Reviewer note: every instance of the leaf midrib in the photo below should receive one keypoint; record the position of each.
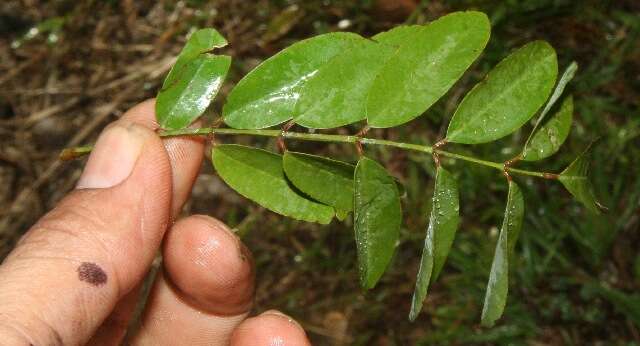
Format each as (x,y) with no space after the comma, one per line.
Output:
(191,80)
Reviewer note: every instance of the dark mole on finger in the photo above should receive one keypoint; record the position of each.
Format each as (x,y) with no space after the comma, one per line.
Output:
(92,273)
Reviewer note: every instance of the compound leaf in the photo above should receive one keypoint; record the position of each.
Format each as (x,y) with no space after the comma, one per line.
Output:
(575,179)
(443,223)
(258,175)
(508,97)
(337,94)
(267,95)
(323,179)
(377,219)
(547,139)
(426,62)
(193,81)
(497,288)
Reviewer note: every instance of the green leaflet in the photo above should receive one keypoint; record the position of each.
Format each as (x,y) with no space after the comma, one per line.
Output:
(267,95)
(184,100)
(193,82)
(566,77)
(508,97)
(575,179)
(258,175)
(377,219)
(200,42)
(428,60)
(530,155)
(496,295)
(443,223)
(340,78)
(323,179)
(337,94)
(548,138)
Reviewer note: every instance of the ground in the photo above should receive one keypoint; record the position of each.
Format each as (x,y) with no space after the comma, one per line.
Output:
(67,68)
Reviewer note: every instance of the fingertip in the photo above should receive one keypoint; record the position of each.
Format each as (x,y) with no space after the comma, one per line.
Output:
(270,328)
(206,287)
(185,152)
(143,113)
(208,266)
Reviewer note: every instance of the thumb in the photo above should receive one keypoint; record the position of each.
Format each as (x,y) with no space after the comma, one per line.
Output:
(69,271)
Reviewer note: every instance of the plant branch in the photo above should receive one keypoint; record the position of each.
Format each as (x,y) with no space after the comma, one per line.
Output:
(72,153)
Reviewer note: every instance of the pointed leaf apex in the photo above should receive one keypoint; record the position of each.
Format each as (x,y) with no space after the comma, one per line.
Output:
(575,179)
(443,223)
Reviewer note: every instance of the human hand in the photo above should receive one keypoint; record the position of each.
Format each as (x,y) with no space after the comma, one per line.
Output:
(75,276)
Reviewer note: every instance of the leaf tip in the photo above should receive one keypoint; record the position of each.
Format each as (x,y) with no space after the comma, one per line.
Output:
(413,315)
(487,322)
(416,307)
(575,178)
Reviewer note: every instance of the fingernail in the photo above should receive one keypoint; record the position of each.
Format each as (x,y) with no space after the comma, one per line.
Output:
(281,315)
(113,157)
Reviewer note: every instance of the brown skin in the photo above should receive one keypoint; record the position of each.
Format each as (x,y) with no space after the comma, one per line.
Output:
(74,277)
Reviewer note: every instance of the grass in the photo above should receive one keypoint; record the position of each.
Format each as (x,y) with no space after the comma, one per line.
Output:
(575,276)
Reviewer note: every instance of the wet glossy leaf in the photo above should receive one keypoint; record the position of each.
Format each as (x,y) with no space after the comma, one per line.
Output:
(575,179)
(508,97)
(427,61)
(184,100)
(548,138)
(258,175)
(443,223)
(323,179)
(567,76)
(497,288)
(200,42)
(193,81)
(377,219)
(337,94)
(267,95)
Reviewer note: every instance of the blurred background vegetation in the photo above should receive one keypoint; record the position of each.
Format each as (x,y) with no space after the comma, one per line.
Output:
(68,67)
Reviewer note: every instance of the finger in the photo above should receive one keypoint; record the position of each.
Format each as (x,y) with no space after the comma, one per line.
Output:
(206,289)
(114,328)
(185,153)
(185,156)
(270,328)
(69,271)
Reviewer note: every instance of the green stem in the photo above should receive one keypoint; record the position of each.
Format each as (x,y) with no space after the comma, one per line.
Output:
(317,137)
